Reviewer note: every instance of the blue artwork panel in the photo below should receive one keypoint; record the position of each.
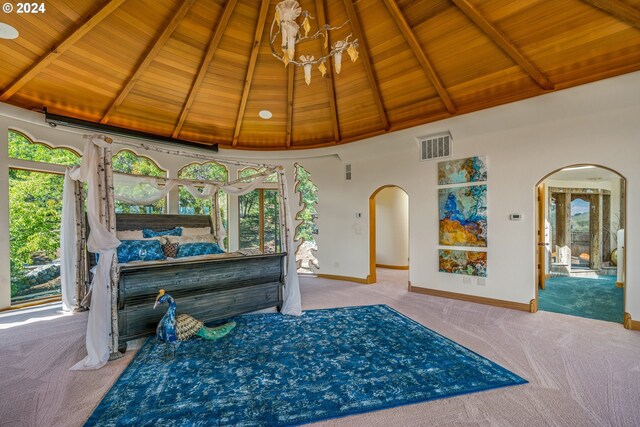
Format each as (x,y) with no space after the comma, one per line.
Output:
(463,216)
(472,169)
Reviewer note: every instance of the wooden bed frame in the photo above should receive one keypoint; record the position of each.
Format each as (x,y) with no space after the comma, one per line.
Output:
(207,289)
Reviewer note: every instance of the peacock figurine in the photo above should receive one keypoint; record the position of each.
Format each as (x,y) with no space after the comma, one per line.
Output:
(173,329)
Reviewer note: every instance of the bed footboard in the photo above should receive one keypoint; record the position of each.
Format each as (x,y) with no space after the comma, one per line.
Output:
(207,289)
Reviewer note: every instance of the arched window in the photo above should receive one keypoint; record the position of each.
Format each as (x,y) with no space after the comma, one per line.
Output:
(209,171)
(248,171)
(35,212)
(126,161)
(21,147)
(259,216)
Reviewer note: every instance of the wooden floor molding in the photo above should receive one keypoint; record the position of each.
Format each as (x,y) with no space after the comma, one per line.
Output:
(393,267)
(629,323)
(345,278)
(32,303)
(472,298)
(619,284)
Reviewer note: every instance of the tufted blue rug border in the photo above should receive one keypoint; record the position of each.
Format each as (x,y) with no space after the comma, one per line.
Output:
(280,370)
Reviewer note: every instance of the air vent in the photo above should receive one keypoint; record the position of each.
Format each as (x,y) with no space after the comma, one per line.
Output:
(435,146)
(347,172)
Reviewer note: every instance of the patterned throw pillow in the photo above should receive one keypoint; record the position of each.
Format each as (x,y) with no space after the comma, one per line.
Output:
(194,249)
(170,249)
(140,250)
(146,233)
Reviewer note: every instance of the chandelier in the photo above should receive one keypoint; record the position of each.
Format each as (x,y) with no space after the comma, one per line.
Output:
(284,23)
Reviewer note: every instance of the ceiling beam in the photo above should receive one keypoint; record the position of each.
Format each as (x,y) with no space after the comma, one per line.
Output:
(504,43)
(366,60)
(290,80)
(413,43)
(257,38)
(618,10)
(331,90)
(204,65)
(152,51)
(79,31)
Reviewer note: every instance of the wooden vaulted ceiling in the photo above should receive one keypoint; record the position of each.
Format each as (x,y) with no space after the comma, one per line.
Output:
(201,70)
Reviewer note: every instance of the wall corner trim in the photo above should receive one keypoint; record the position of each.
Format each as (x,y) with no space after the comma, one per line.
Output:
(344,278)
(472,298)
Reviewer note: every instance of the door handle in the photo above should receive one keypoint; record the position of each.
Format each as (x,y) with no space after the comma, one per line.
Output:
(542,244)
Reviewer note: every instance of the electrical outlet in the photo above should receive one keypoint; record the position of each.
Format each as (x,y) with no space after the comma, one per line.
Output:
(466,280)
(482,281)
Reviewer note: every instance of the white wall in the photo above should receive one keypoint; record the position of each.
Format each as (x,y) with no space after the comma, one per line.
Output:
(523,141)
(392,227)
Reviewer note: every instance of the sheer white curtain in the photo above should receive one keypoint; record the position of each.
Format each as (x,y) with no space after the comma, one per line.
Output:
(68,243)
(102,242)
(292,304)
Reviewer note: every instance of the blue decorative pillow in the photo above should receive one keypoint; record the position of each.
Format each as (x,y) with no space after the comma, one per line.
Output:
(140,250)
(147,233)
(201,248)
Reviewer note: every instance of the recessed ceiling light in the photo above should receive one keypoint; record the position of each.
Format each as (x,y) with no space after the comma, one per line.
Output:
(265,114)
(575,168)
(7,31)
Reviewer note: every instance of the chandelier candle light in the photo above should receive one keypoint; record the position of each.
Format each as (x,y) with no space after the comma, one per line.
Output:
(287,11)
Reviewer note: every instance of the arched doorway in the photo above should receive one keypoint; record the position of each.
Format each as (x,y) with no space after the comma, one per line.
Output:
(388,230)
(580,233)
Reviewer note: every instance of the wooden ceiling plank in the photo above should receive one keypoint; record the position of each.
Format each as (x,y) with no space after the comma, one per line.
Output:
(422,58)
(262,19)
(619,10)
(204,65)
(86,25)
(331,90)
(154,48)
(290,82)
(504,43)
(366,60)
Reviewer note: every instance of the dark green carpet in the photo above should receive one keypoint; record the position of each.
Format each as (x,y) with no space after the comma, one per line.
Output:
(593,298)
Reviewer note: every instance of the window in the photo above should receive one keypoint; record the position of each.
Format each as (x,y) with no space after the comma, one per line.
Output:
(130,163)
(210,171)
(307,229)
(259,213)
(21,147)
(35,213)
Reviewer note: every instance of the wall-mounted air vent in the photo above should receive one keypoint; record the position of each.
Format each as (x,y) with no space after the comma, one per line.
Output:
(435,146)
(347,172)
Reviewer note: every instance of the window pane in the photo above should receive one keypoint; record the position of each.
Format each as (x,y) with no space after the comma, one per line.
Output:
(250,220)
(272,242)
(252,171)
(307,229)
(35,211)
(209,171)
(128,162)
(21,147)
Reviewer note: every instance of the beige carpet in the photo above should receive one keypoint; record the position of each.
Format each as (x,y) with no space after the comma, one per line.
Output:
(582,372)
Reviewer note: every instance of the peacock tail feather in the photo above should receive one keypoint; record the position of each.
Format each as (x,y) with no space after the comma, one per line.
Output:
(217,332)
(187,326)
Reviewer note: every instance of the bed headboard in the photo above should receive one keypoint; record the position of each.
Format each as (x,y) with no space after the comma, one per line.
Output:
(126,222)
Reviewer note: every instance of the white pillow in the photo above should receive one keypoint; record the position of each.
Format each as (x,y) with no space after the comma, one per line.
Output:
(195,231)
(191,239)
(129,235)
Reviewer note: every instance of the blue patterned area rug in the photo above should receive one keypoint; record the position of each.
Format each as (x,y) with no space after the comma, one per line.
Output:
(277,370)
